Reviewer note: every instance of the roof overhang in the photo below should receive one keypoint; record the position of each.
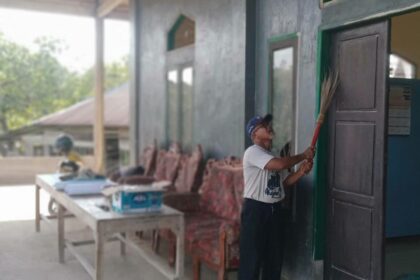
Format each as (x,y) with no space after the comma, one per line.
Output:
(105,8)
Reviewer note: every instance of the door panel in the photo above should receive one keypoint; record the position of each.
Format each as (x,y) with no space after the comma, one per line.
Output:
(357,143)
(356,134)
(355,90)
(355,221)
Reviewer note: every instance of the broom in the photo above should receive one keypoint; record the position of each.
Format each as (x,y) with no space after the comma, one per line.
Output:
(328,88)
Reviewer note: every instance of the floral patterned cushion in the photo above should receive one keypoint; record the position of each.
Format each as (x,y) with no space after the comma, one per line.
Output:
(198,226)
(209,250)
(238,188)
(172,161)
(190,172)
(217,193)
(148,159)
(160,166)
(167,166)
(219,213)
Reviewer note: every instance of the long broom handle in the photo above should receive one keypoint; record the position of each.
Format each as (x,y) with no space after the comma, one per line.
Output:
(316,134)
(319,122)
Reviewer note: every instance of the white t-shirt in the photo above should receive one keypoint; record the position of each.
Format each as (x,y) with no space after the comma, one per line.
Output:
(261,184)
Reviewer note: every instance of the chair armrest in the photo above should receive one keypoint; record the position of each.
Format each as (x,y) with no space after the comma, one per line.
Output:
(231,230)
(185,202)
(136,180)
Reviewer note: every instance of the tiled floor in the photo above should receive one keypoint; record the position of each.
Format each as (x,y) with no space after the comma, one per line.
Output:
(402,258)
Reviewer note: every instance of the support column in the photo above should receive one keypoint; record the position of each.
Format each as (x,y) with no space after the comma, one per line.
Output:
(250,63)
(99,132)
(37,209)
(135,67)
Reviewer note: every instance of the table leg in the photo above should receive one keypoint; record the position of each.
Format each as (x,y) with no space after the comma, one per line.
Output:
(122,244)
(99,252)
(179,265)
(37,209)
(60,223)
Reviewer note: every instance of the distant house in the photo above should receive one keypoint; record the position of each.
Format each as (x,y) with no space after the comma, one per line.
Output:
(37,139)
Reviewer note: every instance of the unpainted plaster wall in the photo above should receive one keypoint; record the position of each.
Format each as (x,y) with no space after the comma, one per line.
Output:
(220,63)
(219,71)
(276,19)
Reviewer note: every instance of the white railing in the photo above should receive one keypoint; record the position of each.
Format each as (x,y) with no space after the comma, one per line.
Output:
(22,170)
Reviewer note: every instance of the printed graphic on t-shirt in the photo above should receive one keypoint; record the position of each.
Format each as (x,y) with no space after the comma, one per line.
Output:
(273,188)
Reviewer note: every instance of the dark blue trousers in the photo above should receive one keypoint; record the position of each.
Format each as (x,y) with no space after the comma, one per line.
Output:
(261,241)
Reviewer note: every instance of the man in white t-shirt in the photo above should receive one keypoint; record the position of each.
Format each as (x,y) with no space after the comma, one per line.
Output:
(261,239)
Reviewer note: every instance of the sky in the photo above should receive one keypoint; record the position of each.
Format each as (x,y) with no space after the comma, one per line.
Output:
(77,34)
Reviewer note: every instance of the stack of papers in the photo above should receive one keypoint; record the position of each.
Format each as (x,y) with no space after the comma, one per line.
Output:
(85,186)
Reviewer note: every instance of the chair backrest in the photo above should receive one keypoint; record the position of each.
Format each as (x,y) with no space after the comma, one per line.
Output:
(167,165)
(175,147)
(190,171)
(238,185)
(148,159)
(218,190)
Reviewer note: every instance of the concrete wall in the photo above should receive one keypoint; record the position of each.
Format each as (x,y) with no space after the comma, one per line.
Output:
(219,71)
(340,12)
(275,19)
(220,64)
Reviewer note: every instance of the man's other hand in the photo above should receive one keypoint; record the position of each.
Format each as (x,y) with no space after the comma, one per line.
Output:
(309,153)
(305,167)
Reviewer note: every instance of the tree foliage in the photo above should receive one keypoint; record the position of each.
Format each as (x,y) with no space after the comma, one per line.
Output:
(34,84)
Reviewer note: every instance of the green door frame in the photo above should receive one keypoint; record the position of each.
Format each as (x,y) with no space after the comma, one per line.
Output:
(321,157)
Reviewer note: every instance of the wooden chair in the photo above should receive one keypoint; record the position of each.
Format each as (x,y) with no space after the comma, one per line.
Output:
(212,236)
(212,218)
(167,165)
(147,165)
(184,196)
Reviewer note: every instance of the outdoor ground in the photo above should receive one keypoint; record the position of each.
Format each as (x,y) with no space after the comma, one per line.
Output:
(27,255)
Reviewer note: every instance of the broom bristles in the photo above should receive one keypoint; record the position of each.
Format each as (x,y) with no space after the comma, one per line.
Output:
(328,88)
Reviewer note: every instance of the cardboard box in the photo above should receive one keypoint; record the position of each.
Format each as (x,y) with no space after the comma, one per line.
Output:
(137,198)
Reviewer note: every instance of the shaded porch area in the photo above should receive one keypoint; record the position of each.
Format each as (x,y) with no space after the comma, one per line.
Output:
(26,254)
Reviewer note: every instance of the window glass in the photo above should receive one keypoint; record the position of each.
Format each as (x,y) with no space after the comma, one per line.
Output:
(187,107)
(282,97)
(173,116)
(323,2)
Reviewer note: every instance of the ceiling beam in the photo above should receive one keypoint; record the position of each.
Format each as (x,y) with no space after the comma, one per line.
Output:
(107,6)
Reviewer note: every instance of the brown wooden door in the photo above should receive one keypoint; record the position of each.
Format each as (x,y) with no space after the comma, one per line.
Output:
(357,146)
